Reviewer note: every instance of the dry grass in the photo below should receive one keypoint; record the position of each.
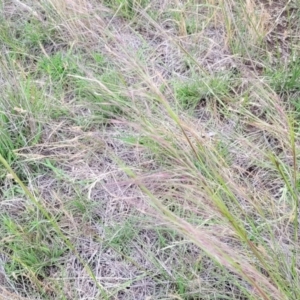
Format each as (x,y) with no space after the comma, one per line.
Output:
(149,149)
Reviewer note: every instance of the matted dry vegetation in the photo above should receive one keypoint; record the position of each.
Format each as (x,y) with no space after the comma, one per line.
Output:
(149,149)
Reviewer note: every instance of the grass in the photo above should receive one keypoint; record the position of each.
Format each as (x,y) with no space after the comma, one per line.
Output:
(149,150)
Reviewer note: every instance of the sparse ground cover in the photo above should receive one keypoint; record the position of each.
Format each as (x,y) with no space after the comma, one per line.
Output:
(149,149)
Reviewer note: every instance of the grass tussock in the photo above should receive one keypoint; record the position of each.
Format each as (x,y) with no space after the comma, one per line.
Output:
(149,150)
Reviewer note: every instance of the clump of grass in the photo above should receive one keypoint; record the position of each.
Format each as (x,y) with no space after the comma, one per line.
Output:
(284,79)
(127,8)
(30,252)
(192,93)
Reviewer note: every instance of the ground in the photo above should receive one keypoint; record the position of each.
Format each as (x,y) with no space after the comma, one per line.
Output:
(149,149)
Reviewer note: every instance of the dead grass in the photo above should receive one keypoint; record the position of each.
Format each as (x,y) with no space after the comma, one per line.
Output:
(159,152)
